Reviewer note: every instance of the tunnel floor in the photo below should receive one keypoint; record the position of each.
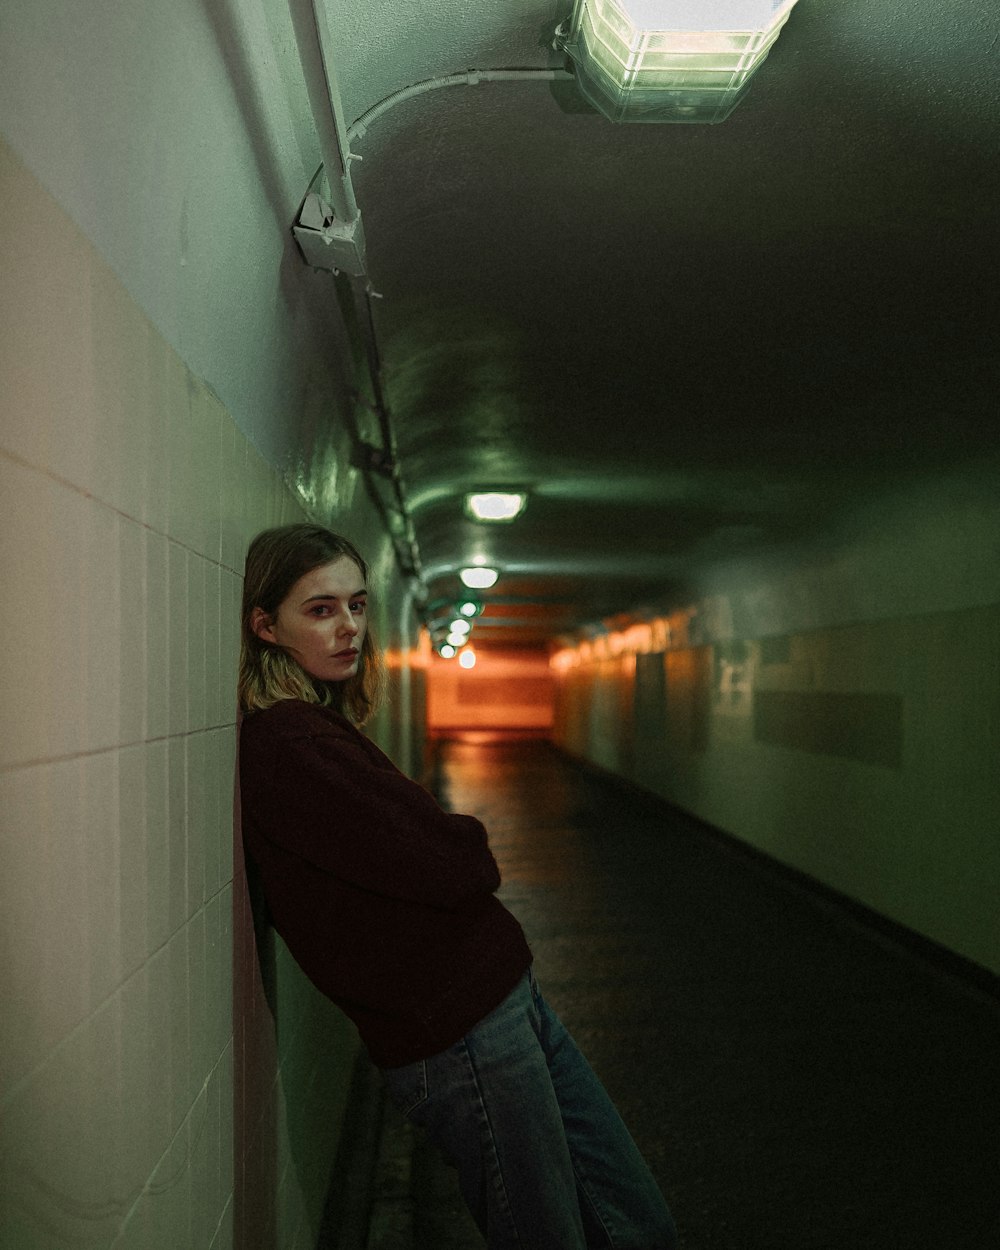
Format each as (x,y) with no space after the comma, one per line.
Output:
(797,1077)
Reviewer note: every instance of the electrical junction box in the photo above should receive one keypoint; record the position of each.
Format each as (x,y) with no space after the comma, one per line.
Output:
(327,243)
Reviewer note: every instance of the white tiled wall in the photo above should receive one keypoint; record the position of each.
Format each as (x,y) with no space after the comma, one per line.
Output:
(127,496)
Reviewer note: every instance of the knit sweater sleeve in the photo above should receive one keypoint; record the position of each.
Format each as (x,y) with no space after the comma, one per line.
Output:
(333,799)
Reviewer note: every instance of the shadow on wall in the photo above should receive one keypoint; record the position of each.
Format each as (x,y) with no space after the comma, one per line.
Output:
(255,1054)
(294,1057)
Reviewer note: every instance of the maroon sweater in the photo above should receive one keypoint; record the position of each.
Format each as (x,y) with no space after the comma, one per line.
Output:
(385,900)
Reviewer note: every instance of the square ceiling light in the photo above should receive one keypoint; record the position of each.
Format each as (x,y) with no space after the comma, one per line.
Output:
(670,60)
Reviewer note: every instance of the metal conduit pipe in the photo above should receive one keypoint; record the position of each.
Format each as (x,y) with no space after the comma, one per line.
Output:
(319,68)
(357,130)
(470,78)
(408,558)
(315,52)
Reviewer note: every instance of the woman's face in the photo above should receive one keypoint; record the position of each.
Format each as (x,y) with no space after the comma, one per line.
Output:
(321,622)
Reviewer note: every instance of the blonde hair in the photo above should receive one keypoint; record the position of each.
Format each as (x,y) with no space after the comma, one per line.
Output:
(277,558)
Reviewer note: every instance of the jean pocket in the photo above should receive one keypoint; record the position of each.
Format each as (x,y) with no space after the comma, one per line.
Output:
(407,1086)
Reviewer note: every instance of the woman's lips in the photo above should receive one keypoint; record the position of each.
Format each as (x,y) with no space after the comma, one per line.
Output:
(349,654)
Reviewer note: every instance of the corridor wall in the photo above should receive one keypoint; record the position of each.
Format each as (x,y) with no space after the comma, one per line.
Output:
(836,705)
(174,379)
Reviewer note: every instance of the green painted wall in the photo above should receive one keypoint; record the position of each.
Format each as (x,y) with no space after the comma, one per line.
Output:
(863,752)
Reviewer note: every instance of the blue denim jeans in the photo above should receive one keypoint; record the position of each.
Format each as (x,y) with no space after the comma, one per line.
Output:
(543,1158)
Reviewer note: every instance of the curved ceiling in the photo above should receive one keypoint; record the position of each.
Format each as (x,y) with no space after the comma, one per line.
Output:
(685,342)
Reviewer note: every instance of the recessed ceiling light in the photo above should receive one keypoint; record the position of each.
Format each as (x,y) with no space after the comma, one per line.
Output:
(467,659)
(495,505)
(479,578)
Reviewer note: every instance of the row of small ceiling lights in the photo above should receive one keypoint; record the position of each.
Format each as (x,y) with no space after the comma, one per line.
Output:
(489,507)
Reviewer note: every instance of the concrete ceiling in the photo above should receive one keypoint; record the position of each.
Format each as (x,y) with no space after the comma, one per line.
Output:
(687,343)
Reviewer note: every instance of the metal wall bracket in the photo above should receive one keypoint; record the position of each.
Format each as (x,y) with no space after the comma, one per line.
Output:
(327,243)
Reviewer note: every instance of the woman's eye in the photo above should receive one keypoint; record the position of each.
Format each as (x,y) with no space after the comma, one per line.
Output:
(358,605)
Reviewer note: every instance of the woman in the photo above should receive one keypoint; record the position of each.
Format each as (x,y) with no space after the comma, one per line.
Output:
(389,905)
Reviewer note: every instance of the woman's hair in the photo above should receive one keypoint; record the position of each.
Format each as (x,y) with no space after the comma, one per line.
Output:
(276,560)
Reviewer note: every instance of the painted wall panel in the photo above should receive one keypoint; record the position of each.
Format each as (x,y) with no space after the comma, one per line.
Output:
(867,726)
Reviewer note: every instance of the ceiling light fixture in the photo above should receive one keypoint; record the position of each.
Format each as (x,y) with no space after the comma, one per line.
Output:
(467,659)
(447,651)
(479,578)
(495,505)
(669,60)
(469,608)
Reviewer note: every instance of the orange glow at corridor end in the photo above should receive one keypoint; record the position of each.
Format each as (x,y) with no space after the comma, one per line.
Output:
(510,689)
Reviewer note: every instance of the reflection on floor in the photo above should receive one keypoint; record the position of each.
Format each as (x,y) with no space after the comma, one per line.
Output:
(797,1078)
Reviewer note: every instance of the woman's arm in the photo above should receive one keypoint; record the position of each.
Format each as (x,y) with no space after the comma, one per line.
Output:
(350,812)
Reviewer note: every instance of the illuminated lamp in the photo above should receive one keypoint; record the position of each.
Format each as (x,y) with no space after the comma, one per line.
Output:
(469,608)
(460,625)
(447,651)
(495,505)
(478,578)
(458,640)
(467,659)
(669,60)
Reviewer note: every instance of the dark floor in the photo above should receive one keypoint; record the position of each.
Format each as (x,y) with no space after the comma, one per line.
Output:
(797,1079)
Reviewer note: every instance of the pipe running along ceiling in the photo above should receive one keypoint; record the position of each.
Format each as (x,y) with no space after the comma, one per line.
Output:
(690,345)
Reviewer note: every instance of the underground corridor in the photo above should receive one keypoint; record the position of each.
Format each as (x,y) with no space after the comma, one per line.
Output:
(644,354)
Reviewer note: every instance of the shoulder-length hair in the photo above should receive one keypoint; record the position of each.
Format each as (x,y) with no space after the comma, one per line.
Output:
(277,558)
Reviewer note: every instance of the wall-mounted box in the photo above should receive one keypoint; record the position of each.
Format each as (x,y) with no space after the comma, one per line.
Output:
(327,243)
